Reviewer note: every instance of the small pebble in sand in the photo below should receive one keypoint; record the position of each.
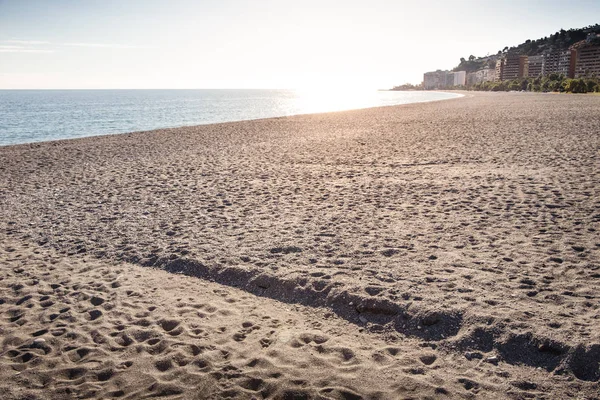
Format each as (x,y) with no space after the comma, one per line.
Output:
(492,360)
(470,355)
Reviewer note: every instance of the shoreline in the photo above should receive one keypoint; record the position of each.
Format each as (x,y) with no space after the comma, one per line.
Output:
(466,229)
(225,122)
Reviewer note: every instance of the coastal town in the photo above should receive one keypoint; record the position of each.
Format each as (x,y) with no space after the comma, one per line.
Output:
(580,60)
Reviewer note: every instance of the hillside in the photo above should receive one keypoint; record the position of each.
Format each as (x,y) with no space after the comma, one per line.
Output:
(560,40)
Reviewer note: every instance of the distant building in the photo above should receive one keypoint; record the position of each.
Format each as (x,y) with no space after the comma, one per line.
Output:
(499,69)
(449,79)
(459,78)
(580,60)
(490,75)
(558,62)
(443,79)
(482,75)
(535,66)
(435,80)
(472,79)
(586,55)
(514,66)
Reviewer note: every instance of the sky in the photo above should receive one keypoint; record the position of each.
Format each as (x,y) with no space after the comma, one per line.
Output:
(109,44)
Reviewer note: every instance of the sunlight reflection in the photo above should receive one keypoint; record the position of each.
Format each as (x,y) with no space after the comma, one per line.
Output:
(316,100)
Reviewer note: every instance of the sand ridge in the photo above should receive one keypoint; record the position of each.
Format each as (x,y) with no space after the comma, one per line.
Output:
(469,223)
(82,328)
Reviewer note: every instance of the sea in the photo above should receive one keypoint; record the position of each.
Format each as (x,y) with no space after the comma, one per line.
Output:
(28,116)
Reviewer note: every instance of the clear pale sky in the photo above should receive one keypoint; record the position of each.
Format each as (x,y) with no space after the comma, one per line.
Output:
(72,44)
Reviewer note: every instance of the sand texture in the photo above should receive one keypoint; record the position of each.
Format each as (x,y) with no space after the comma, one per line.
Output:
(435,250)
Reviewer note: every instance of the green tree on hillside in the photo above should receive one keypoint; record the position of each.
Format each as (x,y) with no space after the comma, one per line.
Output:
(549,83)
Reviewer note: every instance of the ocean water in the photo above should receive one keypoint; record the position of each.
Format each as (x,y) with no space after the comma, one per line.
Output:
(40,115)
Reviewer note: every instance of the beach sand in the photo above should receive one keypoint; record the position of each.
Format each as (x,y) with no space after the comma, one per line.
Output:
(435,250)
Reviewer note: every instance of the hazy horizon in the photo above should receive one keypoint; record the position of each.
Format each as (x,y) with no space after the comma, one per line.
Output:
(231,44)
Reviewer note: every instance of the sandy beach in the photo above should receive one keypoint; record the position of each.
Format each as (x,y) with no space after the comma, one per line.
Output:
(435,250)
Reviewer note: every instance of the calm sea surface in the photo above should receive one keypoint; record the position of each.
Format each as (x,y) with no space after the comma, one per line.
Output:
(39,115)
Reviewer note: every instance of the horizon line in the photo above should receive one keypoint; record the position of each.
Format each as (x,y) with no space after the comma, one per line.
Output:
(73,89)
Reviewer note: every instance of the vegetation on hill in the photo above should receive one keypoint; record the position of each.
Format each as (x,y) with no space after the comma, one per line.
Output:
(473,63)
(549,83)
(560,40)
